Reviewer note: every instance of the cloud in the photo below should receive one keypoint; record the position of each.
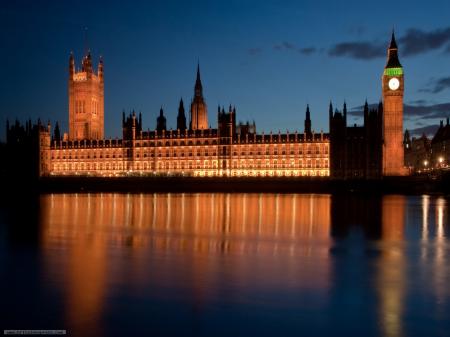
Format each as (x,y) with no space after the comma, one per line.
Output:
(358,111)
(429,130)
(417,41)
(423,111)
(437,85)
(288,46)
(414,42)
(255,51)
(362,50)
(412,111)
(418,102)
(307,51)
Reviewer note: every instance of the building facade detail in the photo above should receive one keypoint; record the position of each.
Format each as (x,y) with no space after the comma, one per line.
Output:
(86,100)
(231,149)
(393,88)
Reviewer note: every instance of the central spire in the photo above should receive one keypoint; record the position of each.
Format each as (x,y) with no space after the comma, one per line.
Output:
(199,113)
(198,83)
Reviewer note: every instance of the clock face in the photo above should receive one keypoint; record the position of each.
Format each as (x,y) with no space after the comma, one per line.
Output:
(394,83)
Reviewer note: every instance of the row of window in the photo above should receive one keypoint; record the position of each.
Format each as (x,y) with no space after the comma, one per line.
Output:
(191,165)
(175,153)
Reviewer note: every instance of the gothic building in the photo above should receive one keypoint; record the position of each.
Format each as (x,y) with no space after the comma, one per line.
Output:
(86,100)
(199,112)
(440,146)
(376,148)
(393,88)
(231,149)
(417,152)
(356,151)
(196,150)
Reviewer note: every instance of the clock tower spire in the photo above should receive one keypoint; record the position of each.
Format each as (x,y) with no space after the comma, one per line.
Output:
(393,88)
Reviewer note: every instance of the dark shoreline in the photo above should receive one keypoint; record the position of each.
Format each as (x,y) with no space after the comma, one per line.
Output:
(388,185)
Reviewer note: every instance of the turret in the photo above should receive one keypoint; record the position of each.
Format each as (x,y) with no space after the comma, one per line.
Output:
(308,132)
(161,121)
(330,111)
(100,69)
(198,111)
(407,139)
(86,65)
(71,66)
(198,89)
(366,112)
(181,118)
(86,100)
(56,133)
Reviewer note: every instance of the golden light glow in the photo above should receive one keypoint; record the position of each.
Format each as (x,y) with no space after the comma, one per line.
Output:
(197,227)
(172,155)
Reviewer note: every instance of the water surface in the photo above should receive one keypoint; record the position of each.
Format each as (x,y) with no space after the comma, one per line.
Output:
(226,264)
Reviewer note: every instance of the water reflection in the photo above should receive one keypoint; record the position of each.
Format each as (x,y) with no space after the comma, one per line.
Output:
(210,241)
(342,258)
(391,278)
(209,219)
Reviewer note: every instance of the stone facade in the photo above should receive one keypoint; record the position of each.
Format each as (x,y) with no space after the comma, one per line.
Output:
(393,88)
(417,153)
(356,151)
(440,146)
(86,100)
(210,152)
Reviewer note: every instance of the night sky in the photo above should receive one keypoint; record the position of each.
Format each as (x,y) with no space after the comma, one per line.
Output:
(269,59)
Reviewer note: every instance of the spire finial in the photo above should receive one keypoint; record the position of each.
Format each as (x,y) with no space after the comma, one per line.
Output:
(393,44)
(86,48)
(198,70)
(198,82)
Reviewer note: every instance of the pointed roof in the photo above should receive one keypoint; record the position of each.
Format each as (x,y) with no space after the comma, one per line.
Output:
(198,83)
(307,112)
(198,72)
(393,44)
(393,61)
(181,108)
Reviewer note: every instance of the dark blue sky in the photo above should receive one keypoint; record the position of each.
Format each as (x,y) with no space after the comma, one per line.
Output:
(268,58)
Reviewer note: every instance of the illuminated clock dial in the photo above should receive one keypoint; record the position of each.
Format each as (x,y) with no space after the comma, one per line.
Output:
(394,83)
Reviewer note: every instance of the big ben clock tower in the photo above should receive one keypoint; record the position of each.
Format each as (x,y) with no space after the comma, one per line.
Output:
(393,87)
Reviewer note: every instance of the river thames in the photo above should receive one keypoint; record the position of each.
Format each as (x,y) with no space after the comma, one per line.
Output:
(226,264)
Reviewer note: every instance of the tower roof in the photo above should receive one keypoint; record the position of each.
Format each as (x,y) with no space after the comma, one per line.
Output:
(393,44)
(198,83)
(198,73)
(393,61)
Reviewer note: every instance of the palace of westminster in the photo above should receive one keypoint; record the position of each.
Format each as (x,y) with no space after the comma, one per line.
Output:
(372,150)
